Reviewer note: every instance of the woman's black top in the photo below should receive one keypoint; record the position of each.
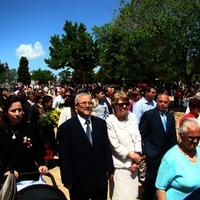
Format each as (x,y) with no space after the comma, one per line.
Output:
(24,153)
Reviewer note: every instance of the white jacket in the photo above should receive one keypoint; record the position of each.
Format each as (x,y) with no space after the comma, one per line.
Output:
(124,138)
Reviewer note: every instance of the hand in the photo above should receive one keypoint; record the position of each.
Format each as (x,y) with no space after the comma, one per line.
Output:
(143,158)
(135,157)
(133,167)
(68,186)
(43,170)
(16,174)
(110,176)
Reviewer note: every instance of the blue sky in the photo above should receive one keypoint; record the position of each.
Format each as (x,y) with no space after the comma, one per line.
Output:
(27,25)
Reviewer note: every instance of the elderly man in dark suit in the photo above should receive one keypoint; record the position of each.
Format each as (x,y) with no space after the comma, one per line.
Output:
(84,153)
(158,132)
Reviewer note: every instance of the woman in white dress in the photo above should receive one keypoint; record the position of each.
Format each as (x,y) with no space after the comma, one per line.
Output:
(125,142)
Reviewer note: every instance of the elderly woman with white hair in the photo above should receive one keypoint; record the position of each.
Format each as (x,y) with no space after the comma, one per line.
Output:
(178,174)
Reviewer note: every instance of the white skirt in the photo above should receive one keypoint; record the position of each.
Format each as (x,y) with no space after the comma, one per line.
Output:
(124,185)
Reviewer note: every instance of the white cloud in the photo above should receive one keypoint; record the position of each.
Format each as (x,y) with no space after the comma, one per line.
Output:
(29,51)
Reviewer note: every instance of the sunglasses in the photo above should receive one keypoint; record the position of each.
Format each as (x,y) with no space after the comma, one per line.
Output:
(123,104)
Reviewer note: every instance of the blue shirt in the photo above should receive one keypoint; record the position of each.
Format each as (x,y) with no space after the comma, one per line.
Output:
(177,175)
(141,106)
(100,109)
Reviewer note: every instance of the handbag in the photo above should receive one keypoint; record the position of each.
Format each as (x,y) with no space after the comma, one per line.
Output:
(8,189)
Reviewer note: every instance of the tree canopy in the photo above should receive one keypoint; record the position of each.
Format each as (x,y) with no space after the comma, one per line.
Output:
(23,71)
(152,39)
(12,75)
(2,72)
(75,50)
(43,76)
(64,77)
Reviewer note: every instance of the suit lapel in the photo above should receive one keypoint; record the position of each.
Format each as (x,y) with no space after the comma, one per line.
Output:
(158,118)
(80,131)
(95,129)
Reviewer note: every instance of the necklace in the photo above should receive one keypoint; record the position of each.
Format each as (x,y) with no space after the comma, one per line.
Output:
(14,133)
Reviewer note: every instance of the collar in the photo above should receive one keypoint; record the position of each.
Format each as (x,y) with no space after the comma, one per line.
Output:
(165,112)
(147,102)
(82,120)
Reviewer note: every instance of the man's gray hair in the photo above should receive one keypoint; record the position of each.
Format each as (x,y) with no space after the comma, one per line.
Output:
(187,123)
(80,95)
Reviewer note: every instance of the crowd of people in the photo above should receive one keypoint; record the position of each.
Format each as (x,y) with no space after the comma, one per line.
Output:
(103,133)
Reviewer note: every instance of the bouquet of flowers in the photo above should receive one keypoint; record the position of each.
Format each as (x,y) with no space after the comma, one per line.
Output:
(50,117)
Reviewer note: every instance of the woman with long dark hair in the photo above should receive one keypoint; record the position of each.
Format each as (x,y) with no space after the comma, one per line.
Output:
(21,148)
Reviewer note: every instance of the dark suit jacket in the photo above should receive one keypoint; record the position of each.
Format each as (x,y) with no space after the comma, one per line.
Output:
(82,164)
(155,141)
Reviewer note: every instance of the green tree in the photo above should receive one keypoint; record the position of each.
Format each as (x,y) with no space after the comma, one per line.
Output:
(12,75)
(23,71)
(157,39)
(2,67)
(110,57)
(75,50)
(43,76)
(77,76)
(119,56)
(65,77)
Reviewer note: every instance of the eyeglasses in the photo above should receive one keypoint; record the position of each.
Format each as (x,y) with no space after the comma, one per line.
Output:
(84,104)
(123,104)
(191,138)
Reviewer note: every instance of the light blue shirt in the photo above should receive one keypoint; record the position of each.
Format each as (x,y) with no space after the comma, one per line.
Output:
(177,175)
(141,106)
(100,109)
